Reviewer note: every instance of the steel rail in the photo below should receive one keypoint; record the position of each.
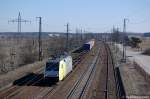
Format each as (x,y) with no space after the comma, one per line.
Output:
(74,88)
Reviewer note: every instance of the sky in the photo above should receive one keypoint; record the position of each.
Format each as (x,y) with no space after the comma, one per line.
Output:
(88,15)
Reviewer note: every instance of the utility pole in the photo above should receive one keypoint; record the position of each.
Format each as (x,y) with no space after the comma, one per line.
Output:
(67,39)
(77,34)
(19,20)
(81,35)
(39,39)
(124,42)
(106,87)
(105,37)
(112,31)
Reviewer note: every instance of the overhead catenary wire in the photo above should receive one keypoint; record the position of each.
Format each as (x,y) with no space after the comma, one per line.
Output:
(140,22)
(131,15)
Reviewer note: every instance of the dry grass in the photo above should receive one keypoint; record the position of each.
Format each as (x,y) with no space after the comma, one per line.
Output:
(18,51)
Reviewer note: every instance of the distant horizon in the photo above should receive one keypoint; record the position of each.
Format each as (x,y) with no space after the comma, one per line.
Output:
(79,33)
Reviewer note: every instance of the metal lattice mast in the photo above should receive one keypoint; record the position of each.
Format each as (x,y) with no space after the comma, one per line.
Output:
(19,20)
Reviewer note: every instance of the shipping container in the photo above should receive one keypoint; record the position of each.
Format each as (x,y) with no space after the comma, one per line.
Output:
(89,45)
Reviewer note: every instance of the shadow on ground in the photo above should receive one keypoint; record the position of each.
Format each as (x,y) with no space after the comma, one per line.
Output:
(35,80)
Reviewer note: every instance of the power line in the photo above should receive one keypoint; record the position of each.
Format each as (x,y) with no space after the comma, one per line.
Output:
(143,21)
(19,20)
(137,11)
(129,16)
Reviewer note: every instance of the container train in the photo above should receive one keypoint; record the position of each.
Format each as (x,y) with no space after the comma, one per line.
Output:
(60,67)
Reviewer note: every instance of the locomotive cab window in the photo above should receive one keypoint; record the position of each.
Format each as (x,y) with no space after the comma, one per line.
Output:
(52,66)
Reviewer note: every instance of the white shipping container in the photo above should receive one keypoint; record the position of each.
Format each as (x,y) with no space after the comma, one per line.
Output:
(91,43)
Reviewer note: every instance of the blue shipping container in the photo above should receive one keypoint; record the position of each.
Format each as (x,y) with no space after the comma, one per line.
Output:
(86,47)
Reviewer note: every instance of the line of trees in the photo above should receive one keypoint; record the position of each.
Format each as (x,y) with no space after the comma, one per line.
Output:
(120,37)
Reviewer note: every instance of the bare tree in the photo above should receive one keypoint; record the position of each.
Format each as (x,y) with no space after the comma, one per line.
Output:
(3,56)
(28,53)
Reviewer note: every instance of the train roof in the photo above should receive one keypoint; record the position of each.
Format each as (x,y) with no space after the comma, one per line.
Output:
(53,60)
(57,59)
(92,40)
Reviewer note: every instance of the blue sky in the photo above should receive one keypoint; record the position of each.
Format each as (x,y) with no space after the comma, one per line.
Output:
(90,15)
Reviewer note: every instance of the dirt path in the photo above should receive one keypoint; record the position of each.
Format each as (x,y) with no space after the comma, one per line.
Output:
(134,81)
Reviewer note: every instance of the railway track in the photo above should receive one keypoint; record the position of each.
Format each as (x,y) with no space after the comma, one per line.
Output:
(78,89)
(103,86)
(31,80)
(119,87)
(106,88)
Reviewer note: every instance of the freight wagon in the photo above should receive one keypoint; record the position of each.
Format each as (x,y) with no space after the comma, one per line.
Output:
(58,68)
(89,45)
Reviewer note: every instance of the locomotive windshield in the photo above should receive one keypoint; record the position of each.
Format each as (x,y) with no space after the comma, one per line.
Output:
(52,66)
